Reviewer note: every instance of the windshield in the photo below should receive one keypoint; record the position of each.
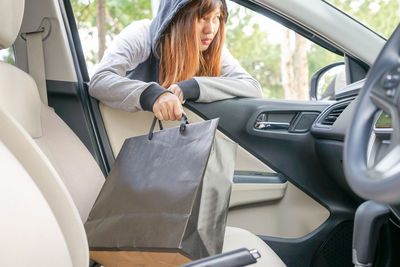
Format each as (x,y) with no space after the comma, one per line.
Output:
(382,16)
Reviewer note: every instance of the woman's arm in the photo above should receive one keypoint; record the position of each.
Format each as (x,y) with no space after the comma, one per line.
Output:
(233,82)
(109,84)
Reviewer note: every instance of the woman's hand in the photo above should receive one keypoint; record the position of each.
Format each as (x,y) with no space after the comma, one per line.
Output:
(168,107)
(176,90)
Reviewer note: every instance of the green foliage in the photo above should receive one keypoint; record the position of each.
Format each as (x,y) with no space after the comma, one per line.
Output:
(120,13)
(9,57)
(245,38)
(262,58)
(125,11)
(319,57)
(85,13)
(380,15)
(254,52)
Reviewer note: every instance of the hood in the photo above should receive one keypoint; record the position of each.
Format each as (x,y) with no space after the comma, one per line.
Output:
(166,13)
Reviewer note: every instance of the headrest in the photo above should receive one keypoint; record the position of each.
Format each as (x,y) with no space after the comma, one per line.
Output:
(20,97)
(11,13)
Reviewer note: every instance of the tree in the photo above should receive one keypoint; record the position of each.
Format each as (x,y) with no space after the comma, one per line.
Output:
(294,67)
(380,15)
(249,44)
(248,41)
(113,16)
(300,68)
(101,27)
(287,65)
(282,73)
(9,56)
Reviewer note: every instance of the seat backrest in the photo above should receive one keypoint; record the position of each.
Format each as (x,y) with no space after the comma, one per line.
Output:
(20,97)
(65,179)
(22,200)
(41,225)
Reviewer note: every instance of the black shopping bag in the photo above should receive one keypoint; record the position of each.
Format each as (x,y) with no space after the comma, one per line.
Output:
(165,200)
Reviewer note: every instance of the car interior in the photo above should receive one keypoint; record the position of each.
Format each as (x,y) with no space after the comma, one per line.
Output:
(315,181)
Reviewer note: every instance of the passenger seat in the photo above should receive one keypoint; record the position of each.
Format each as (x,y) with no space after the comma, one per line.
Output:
(62,171)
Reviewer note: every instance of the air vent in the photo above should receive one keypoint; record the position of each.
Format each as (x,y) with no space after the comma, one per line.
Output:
(333,115)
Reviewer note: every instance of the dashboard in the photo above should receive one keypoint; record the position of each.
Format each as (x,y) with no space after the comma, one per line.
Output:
(329,130)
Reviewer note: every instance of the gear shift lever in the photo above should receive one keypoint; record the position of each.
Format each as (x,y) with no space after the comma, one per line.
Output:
(367,224)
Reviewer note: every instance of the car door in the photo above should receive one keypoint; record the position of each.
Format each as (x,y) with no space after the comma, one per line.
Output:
(281,190)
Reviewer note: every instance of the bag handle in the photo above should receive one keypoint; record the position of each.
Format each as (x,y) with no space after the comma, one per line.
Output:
(184,121)
(182,127)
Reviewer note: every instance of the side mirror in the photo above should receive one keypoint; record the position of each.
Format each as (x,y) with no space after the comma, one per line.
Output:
(326,81)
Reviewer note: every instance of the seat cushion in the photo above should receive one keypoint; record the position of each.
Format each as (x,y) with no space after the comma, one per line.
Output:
(236,238)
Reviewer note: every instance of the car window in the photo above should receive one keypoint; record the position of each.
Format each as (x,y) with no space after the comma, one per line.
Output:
(281,60)
(7,55)
(117,15)
(382,16)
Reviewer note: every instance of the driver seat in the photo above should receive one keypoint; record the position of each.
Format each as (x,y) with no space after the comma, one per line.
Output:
(66,178)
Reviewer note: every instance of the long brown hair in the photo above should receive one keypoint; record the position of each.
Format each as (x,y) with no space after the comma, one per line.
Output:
(179,49)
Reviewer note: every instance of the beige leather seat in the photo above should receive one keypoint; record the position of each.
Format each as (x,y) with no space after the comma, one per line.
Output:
(52,180)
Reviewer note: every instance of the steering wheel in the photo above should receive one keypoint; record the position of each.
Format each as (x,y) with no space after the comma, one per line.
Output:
(380,182)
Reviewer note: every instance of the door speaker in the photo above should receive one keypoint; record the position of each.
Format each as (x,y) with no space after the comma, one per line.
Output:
(336,249)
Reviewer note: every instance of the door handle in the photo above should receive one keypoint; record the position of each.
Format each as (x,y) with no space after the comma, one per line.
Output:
(267,125)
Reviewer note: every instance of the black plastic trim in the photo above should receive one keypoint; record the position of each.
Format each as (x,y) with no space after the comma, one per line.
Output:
(302,251)
(92,112)
(73,36)
(350,91)
(356,70)
(333,132)
(368,221)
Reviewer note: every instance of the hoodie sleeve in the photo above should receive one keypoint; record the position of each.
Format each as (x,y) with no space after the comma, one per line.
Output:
(109,84)
(233,82)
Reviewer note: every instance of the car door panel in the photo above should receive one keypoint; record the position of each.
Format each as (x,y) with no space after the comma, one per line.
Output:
(292,154)
(295,215)
(252,193)
(271,197)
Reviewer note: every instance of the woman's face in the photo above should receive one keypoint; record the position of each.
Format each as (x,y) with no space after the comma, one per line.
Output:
(208,27)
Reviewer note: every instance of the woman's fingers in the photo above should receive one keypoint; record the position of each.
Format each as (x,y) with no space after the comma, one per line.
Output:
(178,111)
(176,90)
(168,107)
(159,116)
(164,113)
(170,110)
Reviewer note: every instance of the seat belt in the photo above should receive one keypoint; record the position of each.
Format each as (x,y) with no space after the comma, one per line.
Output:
(36,68)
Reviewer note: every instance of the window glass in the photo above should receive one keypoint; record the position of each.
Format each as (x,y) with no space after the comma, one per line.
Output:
(382,16)
(7,55)
(278,58)
(117,15)
(281,60)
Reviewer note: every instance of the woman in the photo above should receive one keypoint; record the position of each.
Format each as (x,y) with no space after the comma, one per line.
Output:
(157,65)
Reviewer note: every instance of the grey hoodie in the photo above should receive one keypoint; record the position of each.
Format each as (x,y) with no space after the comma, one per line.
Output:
(127,76)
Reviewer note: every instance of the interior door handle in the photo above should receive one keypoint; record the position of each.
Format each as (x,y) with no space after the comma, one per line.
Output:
(267,125)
